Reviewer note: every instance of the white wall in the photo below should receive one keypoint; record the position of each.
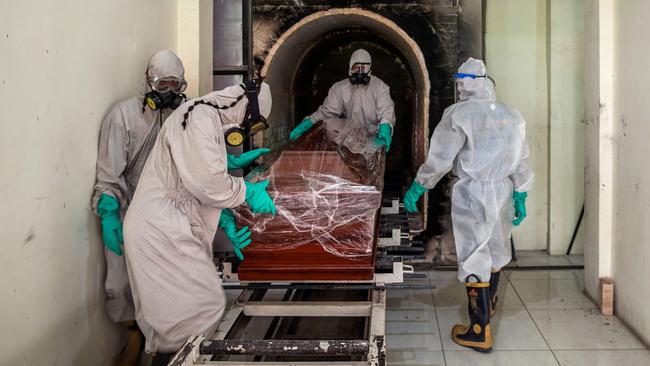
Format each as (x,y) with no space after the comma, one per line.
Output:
(63,63)
(194,42)
(516,57)
(566,117)
(631,124)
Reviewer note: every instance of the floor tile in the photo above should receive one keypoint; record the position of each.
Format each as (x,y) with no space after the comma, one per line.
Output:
(415,358)
(500,358)
(604,358)
(541,260)
(409,299)
(443,276)
(583,329)
(559,274)
(511,329)
(400,315)
(452,295)
(553,294)
(413,335)
(577,259)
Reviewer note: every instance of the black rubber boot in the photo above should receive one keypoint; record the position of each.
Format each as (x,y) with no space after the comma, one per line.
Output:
(477,335)
(494,286)
(130,355)
(162,359)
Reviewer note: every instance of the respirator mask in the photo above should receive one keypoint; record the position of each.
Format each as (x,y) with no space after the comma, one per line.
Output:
(166,92)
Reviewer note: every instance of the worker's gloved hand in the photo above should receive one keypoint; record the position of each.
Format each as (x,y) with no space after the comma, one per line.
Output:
(109,210)
(258,199)
(412,196)
(384,135)
(245,159)
(520,207)
(303,127)
(239,239)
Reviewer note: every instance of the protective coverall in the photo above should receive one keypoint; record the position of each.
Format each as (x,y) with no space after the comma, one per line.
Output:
(484,141)
(369,105)
(127,135)
(173,218)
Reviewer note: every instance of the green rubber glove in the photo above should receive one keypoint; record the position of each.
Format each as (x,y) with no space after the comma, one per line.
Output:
(412,196)
(239,239)
(520,207)
(109,210)
(245,159)
(303,127)
(384,135)
(258,198)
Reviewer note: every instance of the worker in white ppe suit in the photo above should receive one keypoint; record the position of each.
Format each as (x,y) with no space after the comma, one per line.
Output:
(127,135)
(362,98)
(484,142)
(172,220)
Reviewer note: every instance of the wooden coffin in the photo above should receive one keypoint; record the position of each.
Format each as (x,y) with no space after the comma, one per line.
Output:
(325,227)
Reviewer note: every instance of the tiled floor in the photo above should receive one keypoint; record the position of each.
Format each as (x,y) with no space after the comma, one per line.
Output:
(544,319)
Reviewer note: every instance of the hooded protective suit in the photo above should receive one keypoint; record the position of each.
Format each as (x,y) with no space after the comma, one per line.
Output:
(368,105)
(126,138)
(485,143)
(171,222)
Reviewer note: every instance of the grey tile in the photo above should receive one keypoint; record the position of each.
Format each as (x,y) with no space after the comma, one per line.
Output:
(558,274)
(500,358)
(452,295)
(443,276)
(577,259)
(583,329)
(415,358)
(553,294)
(400,315)
(413,335)
(539,260)
(604,358)
(409,299)
(511,329)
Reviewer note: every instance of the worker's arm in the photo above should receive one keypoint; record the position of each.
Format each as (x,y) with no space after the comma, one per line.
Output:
(445,143)
(332,107)
(111,159)
(523,176)
(199,153)
(385,105)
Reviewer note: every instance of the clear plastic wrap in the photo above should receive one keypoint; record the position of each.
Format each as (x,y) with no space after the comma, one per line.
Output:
(327,190)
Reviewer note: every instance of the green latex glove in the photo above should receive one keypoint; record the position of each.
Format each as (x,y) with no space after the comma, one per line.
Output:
(412,196)
(239,239)
(384,135)
(109,210)
(258,198)
(520,207)
(245,159)
(303,127)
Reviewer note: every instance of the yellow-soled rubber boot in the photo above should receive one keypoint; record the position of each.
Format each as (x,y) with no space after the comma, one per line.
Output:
(130,355)
(494,285)
(477,335)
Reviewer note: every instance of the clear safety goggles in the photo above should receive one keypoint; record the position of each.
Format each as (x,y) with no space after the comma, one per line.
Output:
(361,67)
(460,75)
(168,83)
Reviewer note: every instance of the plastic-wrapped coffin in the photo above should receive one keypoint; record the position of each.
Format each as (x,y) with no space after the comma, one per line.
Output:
(327,190)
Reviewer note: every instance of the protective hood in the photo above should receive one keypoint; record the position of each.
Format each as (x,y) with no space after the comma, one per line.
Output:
(359,56)
(235,114)
(161,64)
(480,88)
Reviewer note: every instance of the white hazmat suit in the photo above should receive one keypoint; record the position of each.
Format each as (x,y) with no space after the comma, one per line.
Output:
(170,225)
(484,141)
(369,105)
(127,135)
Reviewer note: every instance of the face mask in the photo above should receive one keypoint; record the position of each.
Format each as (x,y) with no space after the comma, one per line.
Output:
(157,100)
(359,78)
(236,134)
(253,121)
